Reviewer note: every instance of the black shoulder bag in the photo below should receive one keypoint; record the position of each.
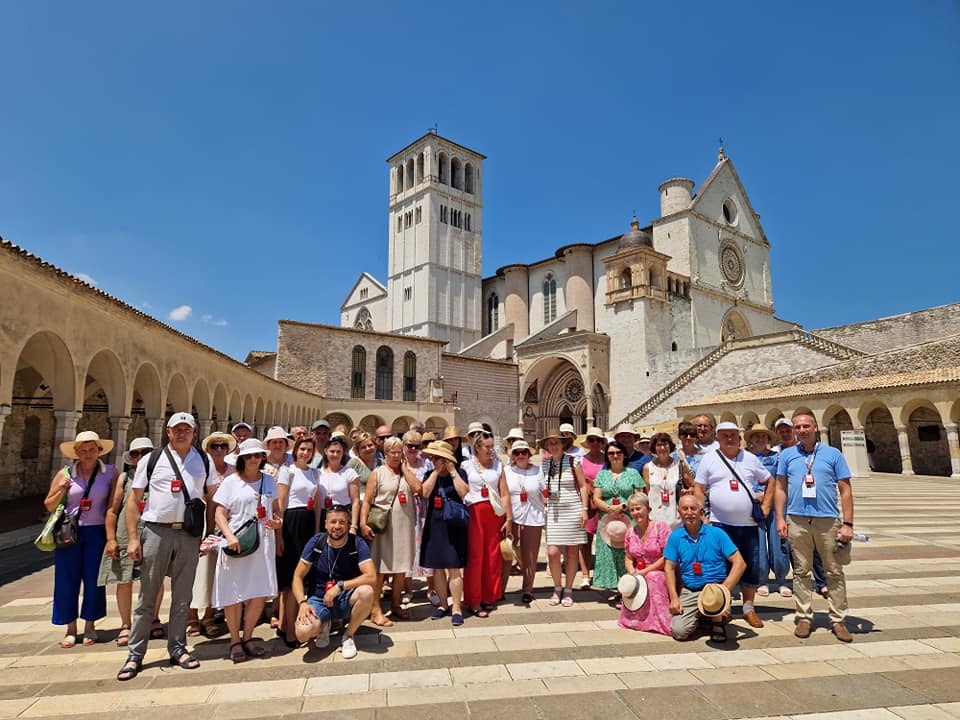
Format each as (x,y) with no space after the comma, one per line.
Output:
(756,511)
(194,509)
(66,532)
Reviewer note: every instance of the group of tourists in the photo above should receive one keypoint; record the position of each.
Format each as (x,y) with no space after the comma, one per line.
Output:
(310,530)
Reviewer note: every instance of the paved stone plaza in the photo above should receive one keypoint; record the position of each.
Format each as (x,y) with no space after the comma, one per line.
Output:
(547,662)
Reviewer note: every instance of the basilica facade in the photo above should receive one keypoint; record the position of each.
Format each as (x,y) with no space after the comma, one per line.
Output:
(598,327)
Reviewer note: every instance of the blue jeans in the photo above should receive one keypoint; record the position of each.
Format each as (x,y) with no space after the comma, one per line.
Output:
(745,538)
(772,556)
(341,607)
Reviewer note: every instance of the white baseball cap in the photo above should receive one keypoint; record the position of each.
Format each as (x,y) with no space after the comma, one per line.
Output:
(728,426)
(181,417)
(783,421)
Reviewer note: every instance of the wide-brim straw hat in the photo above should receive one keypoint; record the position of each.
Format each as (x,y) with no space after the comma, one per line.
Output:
(451,432)
(507,552)
(225,437)
(551,434)
(592,432)
(613,530)
(759,428)
(69,448)
(520,445)
(714,600)
(633,591)
(278,433)
(440,449)
(140,443)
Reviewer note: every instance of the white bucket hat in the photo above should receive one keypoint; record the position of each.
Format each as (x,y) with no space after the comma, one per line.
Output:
(140,443)
(251,447)
(633,591)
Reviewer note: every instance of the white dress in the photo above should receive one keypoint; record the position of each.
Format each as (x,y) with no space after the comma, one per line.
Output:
(663,493)
(239,579)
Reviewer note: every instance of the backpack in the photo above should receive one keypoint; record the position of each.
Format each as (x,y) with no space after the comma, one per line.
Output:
(155,456)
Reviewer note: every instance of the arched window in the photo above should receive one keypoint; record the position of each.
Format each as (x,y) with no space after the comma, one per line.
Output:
(442,169)
(549,299)
(364,320)
(384,390)
(468,179)
(358,377)
(493,313)
(673,346)
(469,224)
(409,174)
(409,375)
(456,174)
(400,179)
(626,279)
(419,168)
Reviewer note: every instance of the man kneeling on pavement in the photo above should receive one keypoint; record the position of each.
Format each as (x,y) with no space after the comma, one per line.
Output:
(704,553)
(344,575)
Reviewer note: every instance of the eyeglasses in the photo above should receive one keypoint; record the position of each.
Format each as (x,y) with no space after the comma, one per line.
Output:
(411,446)
(218,446)
(140,453)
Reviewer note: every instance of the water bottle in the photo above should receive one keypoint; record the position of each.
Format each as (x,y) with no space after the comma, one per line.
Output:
(861,537)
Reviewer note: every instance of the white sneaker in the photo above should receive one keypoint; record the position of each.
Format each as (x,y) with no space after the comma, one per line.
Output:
(323,639)
(348,648)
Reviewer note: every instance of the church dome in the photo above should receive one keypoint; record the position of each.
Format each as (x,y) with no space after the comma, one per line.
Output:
(635,238)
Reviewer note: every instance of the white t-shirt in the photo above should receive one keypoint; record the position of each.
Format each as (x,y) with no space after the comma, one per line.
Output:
(490,477)
(527,511)
(336,485)
(710,447)
(303,485)
(727,506)
(240,498)
(164,506)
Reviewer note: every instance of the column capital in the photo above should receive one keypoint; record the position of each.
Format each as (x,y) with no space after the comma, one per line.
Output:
(74,415)
(5,410)
(120,422)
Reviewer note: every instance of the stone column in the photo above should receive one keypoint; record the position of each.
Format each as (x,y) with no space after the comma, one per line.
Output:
(120,424)
(905,451)
(155,430)
(65,430)
(953,441)
(4,411)
(204,428)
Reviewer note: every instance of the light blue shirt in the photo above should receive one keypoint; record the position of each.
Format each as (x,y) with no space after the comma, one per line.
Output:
(827,465)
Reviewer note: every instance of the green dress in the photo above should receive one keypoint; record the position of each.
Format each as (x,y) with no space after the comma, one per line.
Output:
(609,566)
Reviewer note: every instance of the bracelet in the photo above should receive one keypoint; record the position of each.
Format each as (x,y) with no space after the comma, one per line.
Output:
(301,602)
(848,524)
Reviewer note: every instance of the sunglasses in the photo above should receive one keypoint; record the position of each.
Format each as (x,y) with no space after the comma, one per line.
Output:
(257,456)
(688,434)
(522,452)
(594,439)
(140,453)
(411,446)
(383,437)
(485,435)
(218,446)
(615,453)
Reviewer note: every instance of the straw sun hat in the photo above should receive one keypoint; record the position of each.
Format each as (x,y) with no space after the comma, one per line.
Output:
(69,448)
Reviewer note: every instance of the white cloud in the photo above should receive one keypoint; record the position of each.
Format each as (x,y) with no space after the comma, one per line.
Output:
(220,323)
(83,277)
(180,313)
(207,318)
(146,306)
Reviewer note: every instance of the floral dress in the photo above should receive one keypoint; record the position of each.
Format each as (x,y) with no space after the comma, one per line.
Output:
(609,563)
(654,614)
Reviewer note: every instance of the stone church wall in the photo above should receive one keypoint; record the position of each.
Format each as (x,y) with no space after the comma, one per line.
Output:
(897,331)
(482,390)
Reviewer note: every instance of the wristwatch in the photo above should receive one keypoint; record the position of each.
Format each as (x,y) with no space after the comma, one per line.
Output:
(340,585)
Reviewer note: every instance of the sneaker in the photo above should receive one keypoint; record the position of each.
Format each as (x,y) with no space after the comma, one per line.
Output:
(348,648)
(456,620)
(406,598)
(438,613)
(433,598)
(323,639)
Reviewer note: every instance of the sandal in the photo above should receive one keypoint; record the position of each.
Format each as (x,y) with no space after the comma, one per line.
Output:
(763,591)
(567,598)
(526,598)
(479,612)
(718,632)
(156,630)
(212,629)
(400,613)
(131,668)
(90,638)
(555,598)
(123,637)
(184,659)
(785,591)
(68,641)
(254,651)
(193,628)
(489,607)
(238,656)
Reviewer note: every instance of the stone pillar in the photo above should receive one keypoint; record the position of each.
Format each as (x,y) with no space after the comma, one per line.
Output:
(516,308)
(204,428)
(905,451)
(65,430)
(4,411)
(155,430)
(953,441)
(120,425)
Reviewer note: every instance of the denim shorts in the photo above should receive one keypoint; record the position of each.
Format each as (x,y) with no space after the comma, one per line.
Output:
(340,609)
(747,541)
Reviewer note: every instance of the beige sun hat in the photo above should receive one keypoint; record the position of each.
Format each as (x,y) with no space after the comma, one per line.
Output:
(451,432)
(69,448)
(633,591)
(592,432)
(759,428)
(222,436)
(475,427)
(613,531)
(551,434)
(714,600)
(440,449)
(520,445)
(515,434)
(624,428)
(507,551)
(278,433)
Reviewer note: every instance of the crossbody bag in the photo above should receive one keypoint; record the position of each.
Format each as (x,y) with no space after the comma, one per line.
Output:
(756,510)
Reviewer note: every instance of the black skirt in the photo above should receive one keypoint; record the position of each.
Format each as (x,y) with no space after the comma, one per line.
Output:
(298,527)
(442,546)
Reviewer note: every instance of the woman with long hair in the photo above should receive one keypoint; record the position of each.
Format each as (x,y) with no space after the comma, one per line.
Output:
(339,483)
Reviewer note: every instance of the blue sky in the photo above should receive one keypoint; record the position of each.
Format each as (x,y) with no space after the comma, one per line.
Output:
(229,157)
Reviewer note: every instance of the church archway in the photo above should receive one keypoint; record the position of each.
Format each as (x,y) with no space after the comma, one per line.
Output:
(929,451)
(734,326)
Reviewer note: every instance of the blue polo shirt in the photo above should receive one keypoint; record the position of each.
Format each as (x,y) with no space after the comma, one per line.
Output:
(637,461)
(711,549)
(827,465)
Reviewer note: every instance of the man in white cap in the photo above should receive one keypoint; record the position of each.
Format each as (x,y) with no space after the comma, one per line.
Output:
(626,436)
(321,436)
(784,430)
(570,441)
(179,473)
(241,431)
(729,475)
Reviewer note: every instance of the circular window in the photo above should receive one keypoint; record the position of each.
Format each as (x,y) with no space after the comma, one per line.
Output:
(730,211)
(731,264)
(574,390)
